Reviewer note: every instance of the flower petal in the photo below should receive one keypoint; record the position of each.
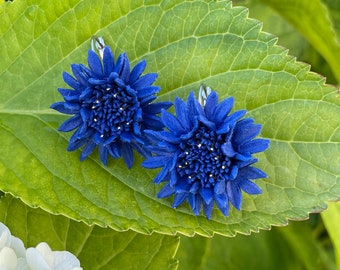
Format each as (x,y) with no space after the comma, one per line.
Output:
(234,194)
(182,114)
(145,80)
(210,105)
(108,61)
(179,199)
(223,109)
(127,154)
(95,63)
(137,72)
(71,123)
(171,122)
(88,149)
(156,162)
(166,191)
(245,130)
(208,209)
(255,146)
(207,195)
(72,81)
(250,187)
(195,202)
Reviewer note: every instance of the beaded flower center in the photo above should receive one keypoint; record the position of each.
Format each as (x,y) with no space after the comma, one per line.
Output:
(202,158)
(113,109)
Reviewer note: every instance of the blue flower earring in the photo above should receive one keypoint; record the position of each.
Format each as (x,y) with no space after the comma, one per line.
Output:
(111,105)
(206,154)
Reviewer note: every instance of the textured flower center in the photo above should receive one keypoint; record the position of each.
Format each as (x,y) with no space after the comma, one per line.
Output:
(202,158)
(113,108)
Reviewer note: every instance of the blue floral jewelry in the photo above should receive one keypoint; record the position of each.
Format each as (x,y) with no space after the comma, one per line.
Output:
(111,105)
(206,154)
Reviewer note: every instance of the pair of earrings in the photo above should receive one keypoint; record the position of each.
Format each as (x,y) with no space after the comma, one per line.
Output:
(205,153)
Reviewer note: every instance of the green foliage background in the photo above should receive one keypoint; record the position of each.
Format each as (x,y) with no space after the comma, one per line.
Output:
(108,215)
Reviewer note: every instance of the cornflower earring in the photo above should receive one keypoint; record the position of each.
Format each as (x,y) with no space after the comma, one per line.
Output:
(111,105)
(206,155)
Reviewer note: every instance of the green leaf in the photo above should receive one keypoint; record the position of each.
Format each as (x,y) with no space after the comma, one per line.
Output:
(289,37)
(312,19)
(331,218)
(291,247)
(187,43)
(333,7)
(95,247)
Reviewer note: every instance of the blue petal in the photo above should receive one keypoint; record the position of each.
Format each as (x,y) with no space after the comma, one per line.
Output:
(219,188)
(103,153)
(234,194)
(86,94)
(228,150)
(123,67)
(179,199)
(166,191)
(207,195)
(151,122)
(251,173)
(182,113)
(144,101)
(210,105)
(71,81)
(156,162)
(88,149)
(222,203)
(95,63)
(162,136)
(157,107)
(75,144)
(163,174)
(195,202)
(147,91)
(144,81)
(249,187)
(223,109)
(173,178)
(171,122)
(233,172)
(208,209)
(126,137)
(137,71)
(114,150)
(127,154)
(85,114)
(108,61)
(230,122)
(255,146)
(95,81)
(69,95)
(61,107)
(141,149)
(70,124)
(191,105)
(245,130)
(78,72)
(203,118)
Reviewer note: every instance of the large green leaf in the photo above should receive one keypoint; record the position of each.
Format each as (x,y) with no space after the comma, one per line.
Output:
(289,37)
(186,42)
(292,247)
(312,19)
(95,247)
(331,218)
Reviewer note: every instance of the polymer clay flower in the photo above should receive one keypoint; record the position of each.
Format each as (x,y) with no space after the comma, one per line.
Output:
(42,257)
(111,106)
(13,255)
(206,155)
